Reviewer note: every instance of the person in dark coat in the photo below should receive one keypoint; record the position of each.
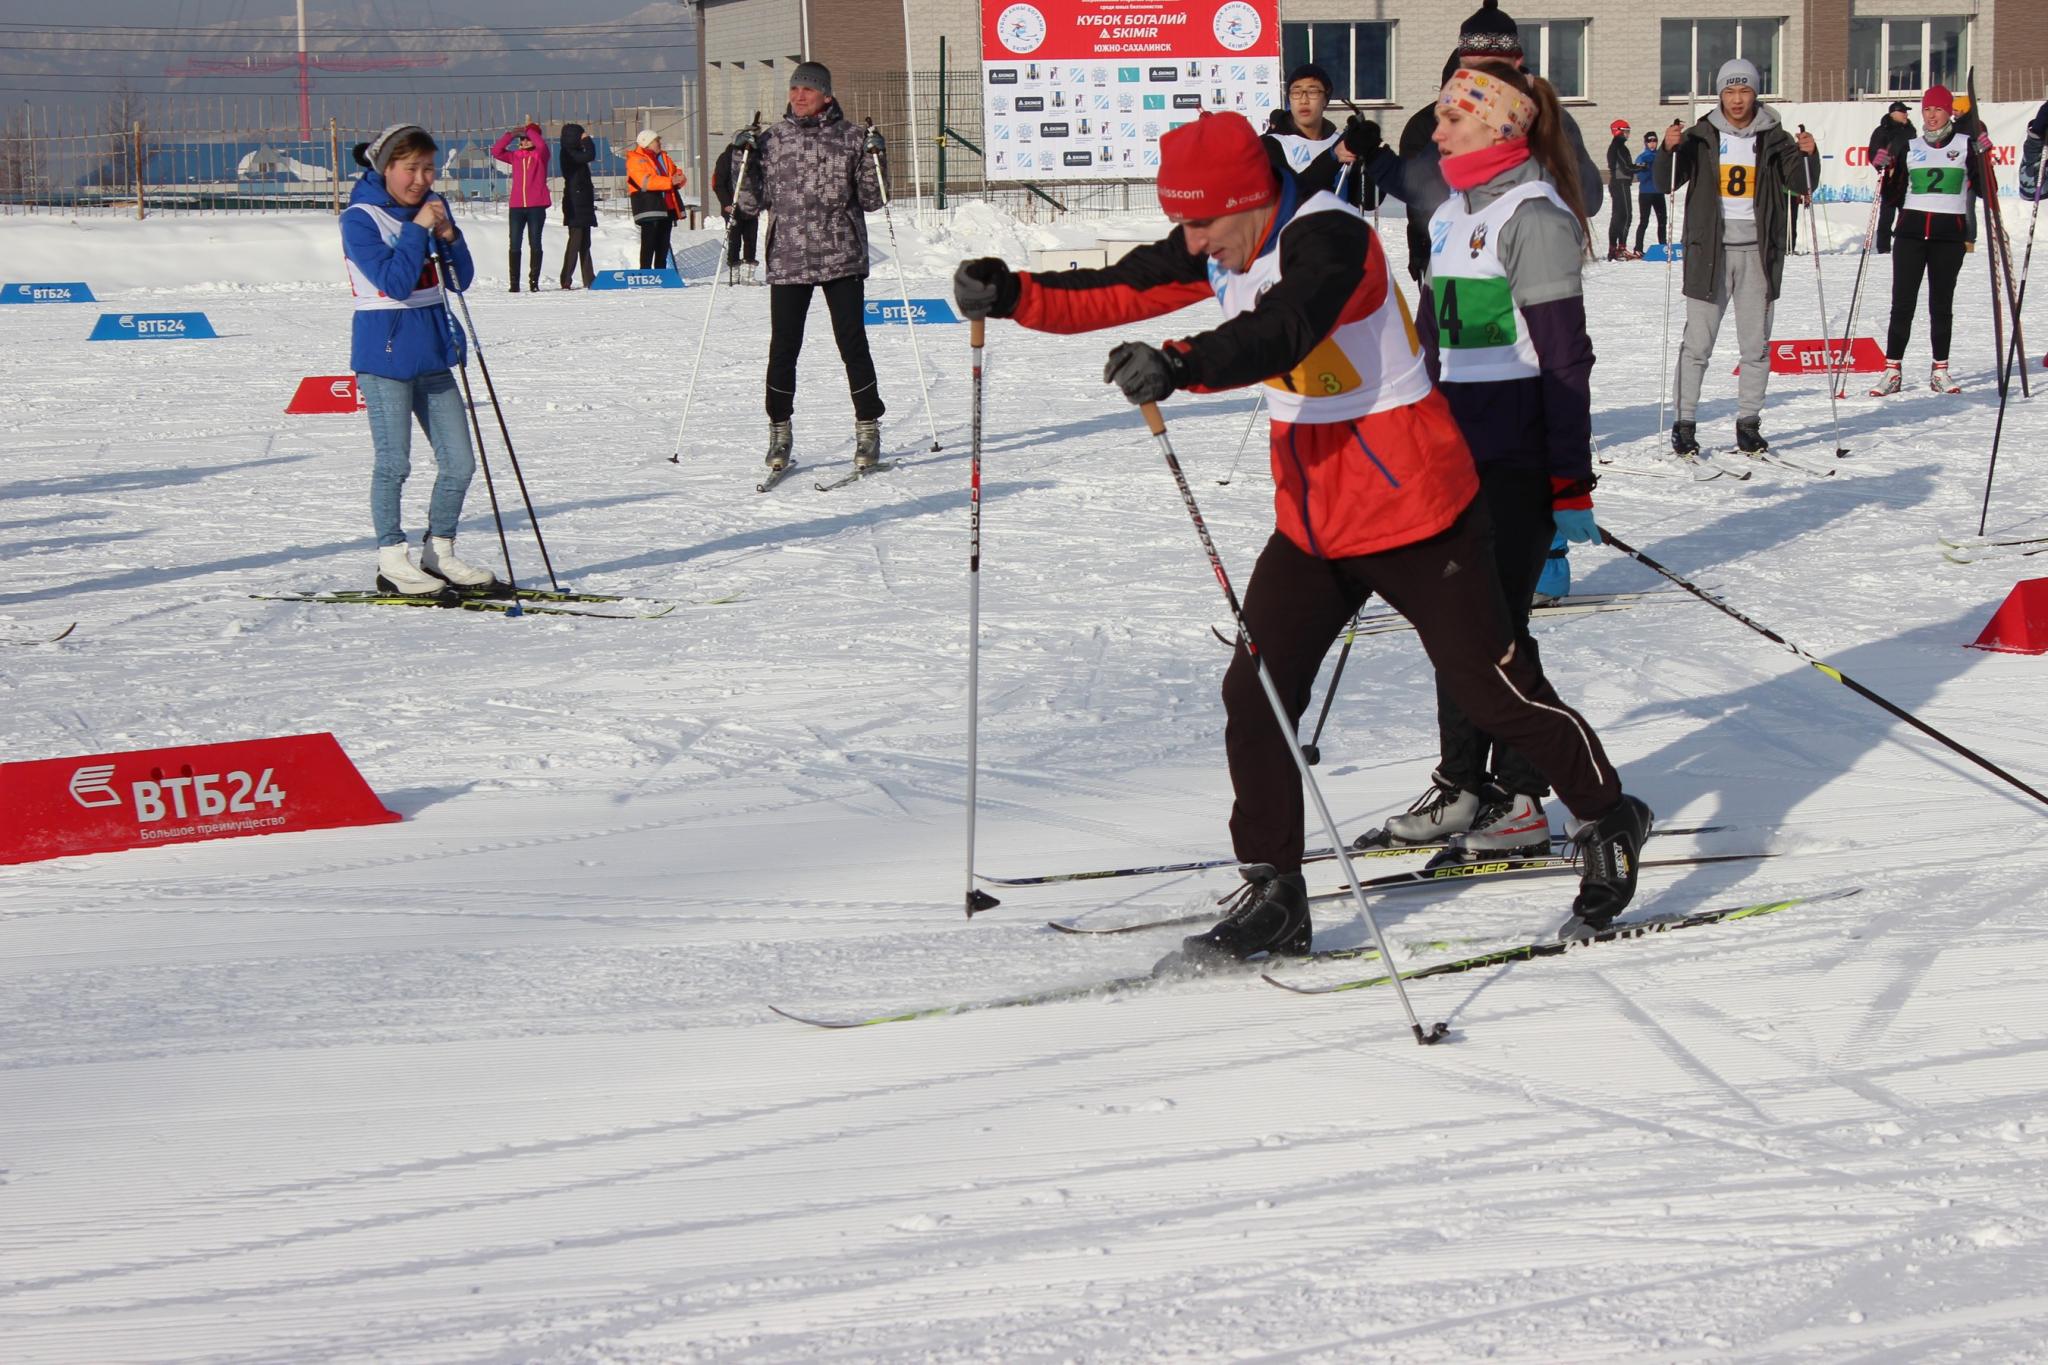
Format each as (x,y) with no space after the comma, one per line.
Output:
(1621,174)
(742,230)
(1888,143)
(1304,145)
(579,202)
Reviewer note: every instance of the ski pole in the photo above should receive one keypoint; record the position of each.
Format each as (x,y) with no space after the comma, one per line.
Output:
(1664,367)
(1991,260)
(1156,423)
(1820,284)
(1838,365)
(469,401)
(2015,358)
(511,455)
(711,304)
(1245,439)
(1313,749)
(977,899)
(1826,669)
(903,281)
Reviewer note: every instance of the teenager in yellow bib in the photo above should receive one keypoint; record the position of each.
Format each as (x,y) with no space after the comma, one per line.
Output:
(1744,169)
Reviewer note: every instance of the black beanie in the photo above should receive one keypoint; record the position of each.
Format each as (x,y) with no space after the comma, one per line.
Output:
(1309,71)
(1488,32)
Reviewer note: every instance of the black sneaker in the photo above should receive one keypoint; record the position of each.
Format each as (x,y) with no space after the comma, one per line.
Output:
(1683,439)
(1749,436)
(1608,848)
(1270,915)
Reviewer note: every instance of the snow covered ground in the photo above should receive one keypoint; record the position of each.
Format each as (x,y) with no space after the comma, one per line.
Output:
(499,1083)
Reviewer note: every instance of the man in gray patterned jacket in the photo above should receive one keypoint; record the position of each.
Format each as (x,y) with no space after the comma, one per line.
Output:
(813,173)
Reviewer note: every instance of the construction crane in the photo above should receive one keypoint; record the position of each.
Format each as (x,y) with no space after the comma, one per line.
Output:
(304,64)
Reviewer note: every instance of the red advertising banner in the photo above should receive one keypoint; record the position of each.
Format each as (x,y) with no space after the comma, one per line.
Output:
(1084,89)
(1814,357)
(96,803)
(326,393)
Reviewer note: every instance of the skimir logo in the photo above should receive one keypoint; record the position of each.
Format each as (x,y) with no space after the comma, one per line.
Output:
(93,787)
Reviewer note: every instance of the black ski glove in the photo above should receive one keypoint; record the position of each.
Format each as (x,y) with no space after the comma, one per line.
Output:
(984,287)
(1362,138)
(1146,374)
(745,139)
(875,142)
(1279,121)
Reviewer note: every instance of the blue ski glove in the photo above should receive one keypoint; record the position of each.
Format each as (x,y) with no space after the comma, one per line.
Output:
(1576,523)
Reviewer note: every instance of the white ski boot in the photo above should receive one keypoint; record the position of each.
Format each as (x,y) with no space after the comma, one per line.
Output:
(1509,824)
(437,557)
(1437,814)
(396,574)
(1890,384)
(750,273)
(867,445)
(781,440)
(1938,380)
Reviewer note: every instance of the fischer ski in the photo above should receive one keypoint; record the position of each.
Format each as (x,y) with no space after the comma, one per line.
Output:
(370,595)
(1639,928)
(497,604)
(774,477)
(855,477)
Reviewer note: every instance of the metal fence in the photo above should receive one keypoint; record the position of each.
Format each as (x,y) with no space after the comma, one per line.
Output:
(1996,86)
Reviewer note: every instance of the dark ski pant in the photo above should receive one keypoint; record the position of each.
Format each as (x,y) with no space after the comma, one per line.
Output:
(528,222)
(742,233)
(1518,503)
(1617,220)
(654,234)
(1940,262)
(789,306)
(576,256)
(1295,607)
(1647,203)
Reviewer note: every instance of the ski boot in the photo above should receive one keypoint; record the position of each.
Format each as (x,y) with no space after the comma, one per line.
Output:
(1890,384)
(1445,809)
(1939,382)
(781,438)
(397,576)
(1684,440)
(1608,848)
(437,557)
(867,445)
(1749,436)
(750,273)
(1269,914)
(1507,825)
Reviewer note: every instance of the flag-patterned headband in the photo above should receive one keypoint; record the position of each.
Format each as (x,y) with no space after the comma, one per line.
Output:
(1489,99)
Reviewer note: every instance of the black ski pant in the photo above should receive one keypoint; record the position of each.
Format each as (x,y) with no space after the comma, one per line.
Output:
(1647,203)
(1617,220)
(526,222)
(1295,607)
(1887,214)
(576,255)
(1518,503)
(654,234)
(789,306)
(1940,262)
(742,233)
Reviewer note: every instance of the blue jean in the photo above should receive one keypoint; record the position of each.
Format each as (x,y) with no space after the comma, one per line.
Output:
(392,405)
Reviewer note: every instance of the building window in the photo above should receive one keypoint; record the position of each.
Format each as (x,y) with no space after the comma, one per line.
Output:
(1555,49)
(1905,56)
(1359,57)
(1694,49)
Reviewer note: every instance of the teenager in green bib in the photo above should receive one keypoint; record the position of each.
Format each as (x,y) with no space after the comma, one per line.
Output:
(1515,364)
(1744,170)
(1941,174)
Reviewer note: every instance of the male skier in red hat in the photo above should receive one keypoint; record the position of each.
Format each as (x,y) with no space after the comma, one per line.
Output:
(1374,492)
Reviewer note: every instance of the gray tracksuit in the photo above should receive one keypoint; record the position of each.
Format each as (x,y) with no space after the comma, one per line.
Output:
(1730,259)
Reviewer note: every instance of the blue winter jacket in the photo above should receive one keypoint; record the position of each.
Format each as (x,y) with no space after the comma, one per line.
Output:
(400,343)
(1646,175)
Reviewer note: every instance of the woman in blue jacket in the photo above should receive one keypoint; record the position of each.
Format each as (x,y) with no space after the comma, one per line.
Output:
(404,348)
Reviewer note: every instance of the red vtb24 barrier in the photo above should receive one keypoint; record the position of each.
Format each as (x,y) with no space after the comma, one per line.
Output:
(326,393)
(1811,357)
(58,807)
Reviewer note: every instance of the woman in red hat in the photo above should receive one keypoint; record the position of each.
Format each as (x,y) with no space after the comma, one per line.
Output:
(1621,174)
(1941,173)
(1374,492)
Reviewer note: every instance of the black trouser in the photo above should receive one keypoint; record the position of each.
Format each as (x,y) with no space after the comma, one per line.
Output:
(1792,226)
(1940,262)
(741,234)
(1887,213)
(654,241)
(1295,607)
(789,306)
(1617,221)
(1647,203)
(529,222)
(1518,502)
(576,254)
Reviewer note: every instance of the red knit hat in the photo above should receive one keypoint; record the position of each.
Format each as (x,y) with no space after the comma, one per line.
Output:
(1213,166)
(1938,97)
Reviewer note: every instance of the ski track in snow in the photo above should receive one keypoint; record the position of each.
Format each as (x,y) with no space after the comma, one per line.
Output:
(499,1083)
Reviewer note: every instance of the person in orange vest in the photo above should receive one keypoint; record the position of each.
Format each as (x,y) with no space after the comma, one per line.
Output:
(1374,492)
(652,180)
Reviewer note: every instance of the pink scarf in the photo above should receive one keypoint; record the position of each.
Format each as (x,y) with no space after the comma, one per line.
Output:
(1468,169)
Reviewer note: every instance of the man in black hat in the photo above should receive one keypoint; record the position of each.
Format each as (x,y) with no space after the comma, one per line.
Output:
(1487,34)
(1305,146)
(1888,144)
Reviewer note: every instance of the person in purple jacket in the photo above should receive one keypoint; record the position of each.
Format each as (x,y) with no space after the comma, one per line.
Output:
(525,150)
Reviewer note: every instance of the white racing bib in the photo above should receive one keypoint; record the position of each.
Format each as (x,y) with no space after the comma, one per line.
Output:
(1738,176)
(1481,334)
(425,293)
(1937,178)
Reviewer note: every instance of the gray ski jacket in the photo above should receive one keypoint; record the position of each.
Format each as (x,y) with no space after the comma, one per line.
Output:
(815,176)
(1780,172)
